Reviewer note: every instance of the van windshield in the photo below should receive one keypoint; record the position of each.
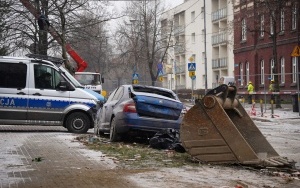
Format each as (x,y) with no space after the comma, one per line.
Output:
(70,77)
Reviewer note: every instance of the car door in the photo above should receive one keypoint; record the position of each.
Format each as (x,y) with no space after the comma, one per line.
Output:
(13,92)
(108,107)
(46,101)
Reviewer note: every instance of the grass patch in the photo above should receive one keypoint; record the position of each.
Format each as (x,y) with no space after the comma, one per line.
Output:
(136,154)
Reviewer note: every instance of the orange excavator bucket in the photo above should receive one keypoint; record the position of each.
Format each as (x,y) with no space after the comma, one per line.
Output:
(217,129)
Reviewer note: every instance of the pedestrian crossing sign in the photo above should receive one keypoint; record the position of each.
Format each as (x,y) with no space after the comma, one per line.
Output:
(191,66)
(135,76)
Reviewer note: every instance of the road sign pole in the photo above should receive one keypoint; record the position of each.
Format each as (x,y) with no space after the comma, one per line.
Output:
(193,101)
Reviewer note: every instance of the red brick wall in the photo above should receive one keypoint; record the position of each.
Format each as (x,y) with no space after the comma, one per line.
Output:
(255,48)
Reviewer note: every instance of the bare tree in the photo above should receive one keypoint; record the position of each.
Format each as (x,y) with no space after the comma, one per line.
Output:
(144,42)
(4,10)
(66,25)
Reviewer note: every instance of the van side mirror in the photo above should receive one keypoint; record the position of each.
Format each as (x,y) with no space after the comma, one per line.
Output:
(63,86)
(102,80)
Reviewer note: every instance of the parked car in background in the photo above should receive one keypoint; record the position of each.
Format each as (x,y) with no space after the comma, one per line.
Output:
(142,110)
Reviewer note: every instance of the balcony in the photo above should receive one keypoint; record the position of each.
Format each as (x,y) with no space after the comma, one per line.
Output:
(219,38)
(220,63)
(219,14)
(179,29)
(179,48)
(180,68)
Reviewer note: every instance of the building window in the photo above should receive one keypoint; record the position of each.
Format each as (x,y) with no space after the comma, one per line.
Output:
(294,70)
(244,30)
(193,16)
(272,64)
(294,17)
(193,38)
(247,72)
(241,74)
(282,70)
(272,23)
(262,72)
(262,25)
(282,20)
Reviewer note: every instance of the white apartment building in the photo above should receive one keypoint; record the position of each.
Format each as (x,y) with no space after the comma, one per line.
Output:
(193,33)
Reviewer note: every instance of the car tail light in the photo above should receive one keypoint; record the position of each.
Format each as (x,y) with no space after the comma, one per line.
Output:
(129,107)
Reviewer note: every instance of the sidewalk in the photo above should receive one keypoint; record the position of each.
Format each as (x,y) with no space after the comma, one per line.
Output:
(264,113)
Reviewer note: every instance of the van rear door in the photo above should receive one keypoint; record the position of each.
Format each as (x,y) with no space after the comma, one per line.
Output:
(13,92)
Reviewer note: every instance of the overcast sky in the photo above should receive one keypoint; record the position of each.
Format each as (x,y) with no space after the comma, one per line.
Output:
(119,5)
(173,3)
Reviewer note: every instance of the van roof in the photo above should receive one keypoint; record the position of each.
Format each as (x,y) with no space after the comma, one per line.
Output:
(36,59)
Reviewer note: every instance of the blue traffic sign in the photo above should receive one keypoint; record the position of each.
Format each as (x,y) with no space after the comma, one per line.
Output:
(193,77)
(191,66)
(159,66)
(160,73)
(135,76)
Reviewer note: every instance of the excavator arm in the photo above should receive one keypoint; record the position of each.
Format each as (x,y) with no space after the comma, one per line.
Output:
(81,64)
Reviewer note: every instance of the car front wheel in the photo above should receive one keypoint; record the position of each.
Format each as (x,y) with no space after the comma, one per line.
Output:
(113,136)
(78,122)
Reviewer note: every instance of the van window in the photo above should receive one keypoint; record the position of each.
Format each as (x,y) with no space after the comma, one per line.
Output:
(46,77)
(13,75)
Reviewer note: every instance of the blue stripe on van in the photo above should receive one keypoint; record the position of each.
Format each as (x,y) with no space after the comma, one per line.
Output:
(13,102)
(44,103)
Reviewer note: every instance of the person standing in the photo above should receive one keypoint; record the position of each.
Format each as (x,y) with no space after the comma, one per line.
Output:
(250,89)
(272,89)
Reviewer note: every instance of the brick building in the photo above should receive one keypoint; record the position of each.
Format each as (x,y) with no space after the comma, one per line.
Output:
(258,27)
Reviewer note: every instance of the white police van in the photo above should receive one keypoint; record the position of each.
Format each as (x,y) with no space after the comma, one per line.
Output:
(39,92)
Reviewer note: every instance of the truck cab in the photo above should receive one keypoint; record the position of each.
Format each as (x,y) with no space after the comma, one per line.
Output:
(90,80)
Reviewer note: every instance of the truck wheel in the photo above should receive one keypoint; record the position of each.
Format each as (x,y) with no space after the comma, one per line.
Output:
(78,122)
(113,136)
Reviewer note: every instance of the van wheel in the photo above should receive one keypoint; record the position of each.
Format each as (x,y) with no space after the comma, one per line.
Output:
(113,136)
(78,122)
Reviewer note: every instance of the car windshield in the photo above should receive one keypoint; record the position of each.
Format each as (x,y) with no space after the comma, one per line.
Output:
(70,77)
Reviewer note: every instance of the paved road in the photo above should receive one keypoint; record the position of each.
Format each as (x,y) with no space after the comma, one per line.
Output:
(34,156)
